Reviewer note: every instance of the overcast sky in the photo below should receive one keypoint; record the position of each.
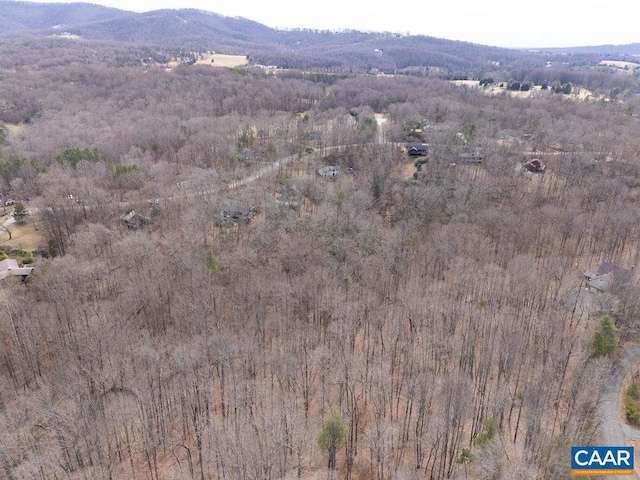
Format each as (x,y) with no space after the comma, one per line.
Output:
(505,23)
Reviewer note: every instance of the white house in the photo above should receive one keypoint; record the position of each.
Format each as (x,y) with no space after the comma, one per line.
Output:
(9,266)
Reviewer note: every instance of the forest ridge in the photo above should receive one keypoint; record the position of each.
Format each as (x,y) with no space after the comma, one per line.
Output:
(195,30)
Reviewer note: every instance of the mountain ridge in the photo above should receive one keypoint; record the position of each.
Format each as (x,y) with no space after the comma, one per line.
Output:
(195,30)
(20,16)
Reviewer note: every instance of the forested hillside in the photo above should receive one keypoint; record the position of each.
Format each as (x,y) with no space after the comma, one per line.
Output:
(433,312)
(32,16)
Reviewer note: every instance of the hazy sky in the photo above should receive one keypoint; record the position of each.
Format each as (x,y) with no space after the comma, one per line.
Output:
(506,23)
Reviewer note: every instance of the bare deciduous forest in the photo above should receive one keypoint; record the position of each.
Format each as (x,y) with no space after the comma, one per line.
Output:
(439,312)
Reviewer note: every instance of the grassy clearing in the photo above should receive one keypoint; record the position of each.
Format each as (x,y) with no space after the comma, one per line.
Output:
(15,128)
(629,66)
(23,237)
(221,60)
(535,90)
(215,60)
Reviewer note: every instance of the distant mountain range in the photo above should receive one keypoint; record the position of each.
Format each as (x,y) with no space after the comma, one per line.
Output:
(196,30)
(30,17)
(160,27)
(631,49)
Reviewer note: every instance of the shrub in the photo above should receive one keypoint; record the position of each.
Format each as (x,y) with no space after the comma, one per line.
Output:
(631,408)
(633,392)
(489,430)
(332,436)
(418,163)
(513,85)
(212,263)
(605,339)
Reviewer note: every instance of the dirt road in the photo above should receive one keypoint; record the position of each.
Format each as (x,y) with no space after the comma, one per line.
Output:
(613,430)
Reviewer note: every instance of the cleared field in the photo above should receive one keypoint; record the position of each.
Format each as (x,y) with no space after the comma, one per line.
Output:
(215,60)
(221,60)
(630,66)
(577,92)
(497,89)
(14,128)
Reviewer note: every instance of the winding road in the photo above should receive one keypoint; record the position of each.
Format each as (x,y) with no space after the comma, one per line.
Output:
(613,430)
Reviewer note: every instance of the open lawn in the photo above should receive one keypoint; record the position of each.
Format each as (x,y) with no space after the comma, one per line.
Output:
(23,237)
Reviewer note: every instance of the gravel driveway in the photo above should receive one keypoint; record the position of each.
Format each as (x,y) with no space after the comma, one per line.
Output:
(613,430)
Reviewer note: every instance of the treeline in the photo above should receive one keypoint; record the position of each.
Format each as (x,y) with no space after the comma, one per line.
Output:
(593,78)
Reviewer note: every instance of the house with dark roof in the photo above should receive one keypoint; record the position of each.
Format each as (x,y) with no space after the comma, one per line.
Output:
(417,149)
(607,277)
(235,214)
(535,166)
(135,220)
